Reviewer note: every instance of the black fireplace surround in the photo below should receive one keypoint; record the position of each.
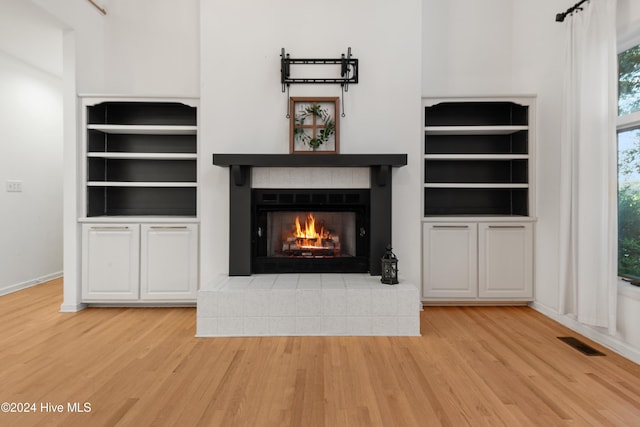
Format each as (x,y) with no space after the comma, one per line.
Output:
(250,208)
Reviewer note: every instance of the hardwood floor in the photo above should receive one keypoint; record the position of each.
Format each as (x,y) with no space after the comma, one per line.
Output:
(478,366)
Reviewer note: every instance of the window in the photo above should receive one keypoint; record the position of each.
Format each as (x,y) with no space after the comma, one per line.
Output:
(629,163)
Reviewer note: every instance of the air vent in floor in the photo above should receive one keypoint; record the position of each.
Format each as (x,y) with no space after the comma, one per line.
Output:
(581,347)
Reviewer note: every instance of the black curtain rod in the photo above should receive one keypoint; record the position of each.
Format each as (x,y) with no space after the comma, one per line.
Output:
(560,16)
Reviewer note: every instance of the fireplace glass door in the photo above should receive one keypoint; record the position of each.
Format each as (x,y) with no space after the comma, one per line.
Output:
(310,231)
(302,234)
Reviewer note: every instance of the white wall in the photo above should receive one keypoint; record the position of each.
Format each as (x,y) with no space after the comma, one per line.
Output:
(83,63)
(151,48)
(538,60)
(243,109)
(141,48)
(86,25)
(30,145)
(30,151)
(28,33)
(628,21)
(467,47)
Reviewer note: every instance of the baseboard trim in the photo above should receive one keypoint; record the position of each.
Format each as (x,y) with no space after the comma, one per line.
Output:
(29,283)
(435,303)
(72,308)
(604,339)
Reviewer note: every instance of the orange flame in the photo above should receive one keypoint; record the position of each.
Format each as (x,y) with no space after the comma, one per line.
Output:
(308,236)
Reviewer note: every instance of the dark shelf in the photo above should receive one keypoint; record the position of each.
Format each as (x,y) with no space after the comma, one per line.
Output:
(476,171)
(476,114)
(136,170)
(515,143)
(140,143)
(141,201)
(142,113)
(476,201)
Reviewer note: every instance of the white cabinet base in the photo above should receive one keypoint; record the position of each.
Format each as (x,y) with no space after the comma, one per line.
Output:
(450,260)
(139,263)
(110,262)
(477,262)
(505,268)
(169,262)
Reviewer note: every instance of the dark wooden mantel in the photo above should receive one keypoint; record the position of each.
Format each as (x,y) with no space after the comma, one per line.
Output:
(240,197)
(240,163)
(310,160)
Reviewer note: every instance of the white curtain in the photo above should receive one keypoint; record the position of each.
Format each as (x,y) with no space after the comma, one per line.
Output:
(588,223)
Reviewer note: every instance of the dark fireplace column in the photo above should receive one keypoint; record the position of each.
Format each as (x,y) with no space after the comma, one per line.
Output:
(240,198)
(380,220)
(239,220)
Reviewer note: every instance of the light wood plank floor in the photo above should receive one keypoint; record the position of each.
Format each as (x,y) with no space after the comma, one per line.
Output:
(489,366)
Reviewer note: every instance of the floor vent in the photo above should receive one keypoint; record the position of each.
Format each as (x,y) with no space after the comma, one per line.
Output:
(582,347)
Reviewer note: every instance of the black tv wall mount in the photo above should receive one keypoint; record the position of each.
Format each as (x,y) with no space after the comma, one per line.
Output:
(348,71)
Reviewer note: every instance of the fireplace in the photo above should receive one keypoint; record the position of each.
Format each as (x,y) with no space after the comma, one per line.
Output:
(249,208)
(304,231)
(308,213)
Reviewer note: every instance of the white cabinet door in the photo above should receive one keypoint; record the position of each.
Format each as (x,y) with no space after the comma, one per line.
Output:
(505,260)
(169,262)
(110,262)
(450,260)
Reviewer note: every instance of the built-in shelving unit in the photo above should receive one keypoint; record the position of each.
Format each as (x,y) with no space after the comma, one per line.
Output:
(478,199)
(139,212)
(476,158)
(141,158)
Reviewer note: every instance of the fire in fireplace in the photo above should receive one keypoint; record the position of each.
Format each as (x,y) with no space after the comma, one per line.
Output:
(311,242)
(310,231)
(311,235)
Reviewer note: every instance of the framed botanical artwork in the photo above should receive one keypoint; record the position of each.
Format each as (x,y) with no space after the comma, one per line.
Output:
(314,126)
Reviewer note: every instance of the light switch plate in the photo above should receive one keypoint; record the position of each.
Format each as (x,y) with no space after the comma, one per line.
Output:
(14,186)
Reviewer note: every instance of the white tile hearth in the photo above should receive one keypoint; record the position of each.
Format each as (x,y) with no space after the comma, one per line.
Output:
(307,304)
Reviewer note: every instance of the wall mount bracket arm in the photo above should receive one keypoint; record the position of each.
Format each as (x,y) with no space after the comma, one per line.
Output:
(348,70)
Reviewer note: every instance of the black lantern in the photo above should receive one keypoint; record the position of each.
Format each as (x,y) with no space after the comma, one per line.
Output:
(389,267)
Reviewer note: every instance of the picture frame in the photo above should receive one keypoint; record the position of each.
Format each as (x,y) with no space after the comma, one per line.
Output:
(314,125)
